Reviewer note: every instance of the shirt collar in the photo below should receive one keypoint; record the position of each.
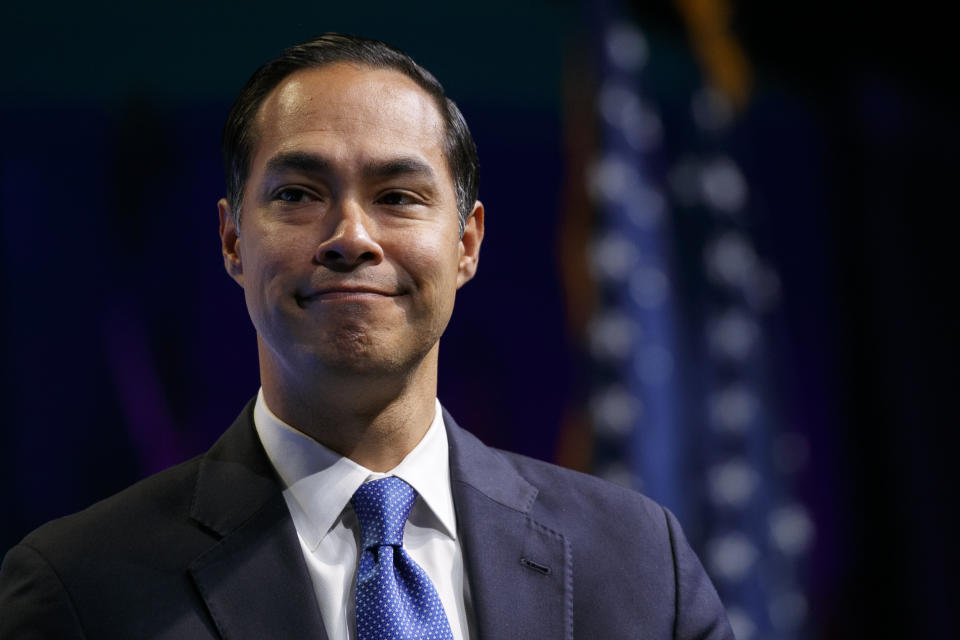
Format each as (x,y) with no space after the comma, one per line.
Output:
(321,482)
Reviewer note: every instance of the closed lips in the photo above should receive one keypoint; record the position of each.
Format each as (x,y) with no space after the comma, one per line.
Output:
(331,293)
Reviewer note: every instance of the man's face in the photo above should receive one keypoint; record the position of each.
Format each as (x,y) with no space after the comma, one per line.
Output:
(349,250)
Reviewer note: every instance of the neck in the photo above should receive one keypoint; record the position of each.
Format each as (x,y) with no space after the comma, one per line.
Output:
(373,419)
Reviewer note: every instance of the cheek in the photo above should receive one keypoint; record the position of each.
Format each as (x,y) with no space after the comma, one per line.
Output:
(433,264)
(268,265)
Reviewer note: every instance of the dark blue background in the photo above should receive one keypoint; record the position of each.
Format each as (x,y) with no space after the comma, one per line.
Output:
(126,348)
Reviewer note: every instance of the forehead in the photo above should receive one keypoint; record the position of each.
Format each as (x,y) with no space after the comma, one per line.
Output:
(349,110)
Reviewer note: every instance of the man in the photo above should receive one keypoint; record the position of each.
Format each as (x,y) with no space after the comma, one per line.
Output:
(344,502)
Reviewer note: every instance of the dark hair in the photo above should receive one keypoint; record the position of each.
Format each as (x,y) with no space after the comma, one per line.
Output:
(240,135)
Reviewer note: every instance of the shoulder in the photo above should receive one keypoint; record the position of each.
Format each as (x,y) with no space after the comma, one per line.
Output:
(583,506)
(153,506)
(565,496)
(115,569)
(549,475)
(115,551)
(155,509)
(619,535)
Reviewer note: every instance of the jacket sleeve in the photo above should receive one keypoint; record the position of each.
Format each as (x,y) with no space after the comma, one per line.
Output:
(700,614)
(33,602)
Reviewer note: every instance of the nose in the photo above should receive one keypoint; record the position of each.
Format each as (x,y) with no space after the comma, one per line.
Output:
(350,244)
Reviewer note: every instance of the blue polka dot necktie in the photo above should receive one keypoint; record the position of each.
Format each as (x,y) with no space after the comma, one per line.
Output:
(395,598)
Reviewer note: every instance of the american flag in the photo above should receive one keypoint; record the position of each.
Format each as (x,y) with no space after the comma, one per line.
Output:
(680,397)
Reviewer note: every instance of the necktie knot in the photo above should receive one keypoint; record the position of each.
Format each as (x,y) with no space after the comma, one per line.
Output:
(382,507)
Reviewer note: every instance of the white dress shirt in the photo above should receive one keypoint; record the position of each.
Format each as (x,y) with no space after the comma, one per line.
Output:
(318,486)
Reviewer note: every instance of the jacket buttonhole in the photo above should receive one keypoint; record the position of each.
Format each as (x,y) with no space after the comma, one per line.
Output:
(536,566)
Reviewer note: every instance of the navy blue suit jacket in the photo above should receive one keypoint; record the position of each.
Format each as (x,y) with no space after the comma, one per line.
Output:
(207,549)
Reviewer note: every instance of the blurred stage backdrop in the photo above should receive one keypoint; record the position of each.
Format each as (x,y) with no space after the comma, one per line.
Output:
(716,269)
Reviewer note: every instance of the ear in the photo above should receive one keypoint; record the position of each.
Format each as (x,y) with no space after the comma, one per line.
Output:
(470,245)
(230,242)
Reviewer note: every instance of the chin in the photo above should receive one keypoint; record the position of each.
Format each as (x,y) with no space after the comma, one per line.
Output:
(359,353)
(349,351)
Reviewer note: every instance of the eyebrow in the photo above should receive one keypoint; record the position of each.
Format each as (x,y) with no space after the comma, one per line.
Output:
(306,162)
(297,161)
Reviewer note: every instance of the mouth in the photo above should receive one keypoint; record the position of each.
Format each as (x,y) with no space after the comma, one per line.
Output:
(343,293)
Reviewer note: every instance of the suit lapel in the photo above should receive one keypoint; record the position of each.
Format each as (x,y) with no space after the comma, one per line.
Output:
(254,581)
(520,572)
(255,584)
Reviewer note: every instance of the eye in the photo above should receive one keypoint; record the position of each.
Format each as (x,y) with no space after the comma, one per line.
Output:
(291,194)
(397,198)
